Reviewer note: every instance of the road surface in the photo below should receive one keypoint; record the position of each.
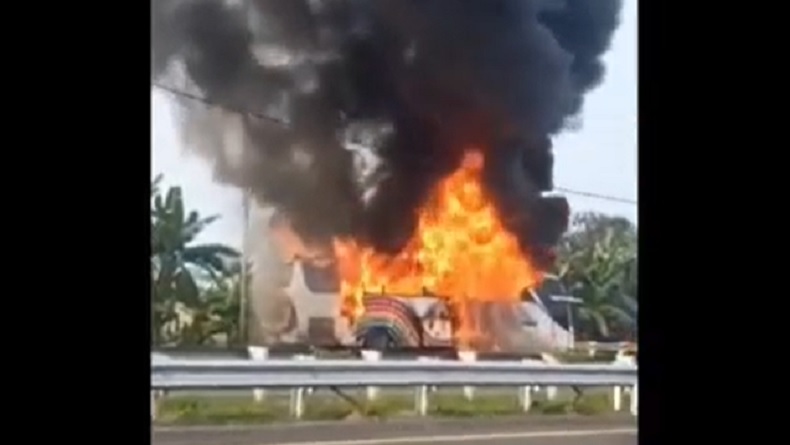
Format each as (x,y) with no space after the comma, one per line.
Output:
(560,430)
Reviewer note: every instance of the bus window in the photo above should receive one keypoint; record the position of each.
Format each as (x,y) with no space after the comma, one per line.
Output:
(321,279)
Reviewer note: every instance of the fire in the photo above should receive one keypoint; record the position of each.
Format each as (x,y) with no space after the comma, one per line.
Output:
(460,251)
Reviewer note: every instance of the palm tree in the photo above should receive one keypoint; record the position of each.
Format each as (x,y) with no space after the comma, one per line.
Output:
(598,264)
(179,267)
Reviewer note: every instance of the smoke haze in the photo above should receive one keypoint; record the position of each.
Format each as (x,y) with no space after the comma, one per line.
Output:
(417,81)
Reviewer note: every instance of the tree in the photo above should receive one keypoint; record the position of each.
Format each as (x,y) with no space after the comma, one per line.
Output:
(180,268)
(216,317)
(597,262)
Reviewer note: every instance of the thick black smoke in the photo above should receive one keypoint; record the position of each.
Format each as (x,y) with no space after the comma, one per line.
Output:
(425,79)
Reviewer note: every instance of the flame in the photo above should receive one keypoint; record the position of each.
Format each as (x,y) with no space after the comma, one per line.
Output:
(460,252)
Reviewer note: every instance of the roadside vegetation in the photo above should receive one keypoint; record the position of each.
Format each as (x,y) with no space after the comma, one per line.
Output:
(191,410)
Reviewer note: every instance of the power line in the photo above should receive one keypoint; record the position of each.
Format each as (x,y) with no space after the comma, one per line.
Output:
(203,100)
(596,196)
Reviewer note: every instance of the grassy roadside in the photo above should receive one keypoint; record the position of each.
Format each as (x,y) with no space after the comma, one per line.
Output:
(180,410)
(585,357)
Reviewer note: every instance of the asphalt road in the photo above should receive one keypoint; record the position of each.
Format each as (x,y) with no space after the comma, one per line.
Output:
(561,430)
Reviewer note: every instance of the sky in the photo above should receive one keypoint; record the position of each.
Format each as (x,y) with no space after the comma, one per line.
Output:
(600,157)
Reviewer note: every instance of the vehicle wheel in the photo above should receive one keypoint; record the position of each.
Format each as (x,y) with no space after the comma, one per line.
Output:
(377,339)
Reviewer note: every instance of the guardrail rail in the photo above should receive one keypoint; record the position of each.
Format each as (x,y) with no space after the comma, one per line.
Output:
(305,372)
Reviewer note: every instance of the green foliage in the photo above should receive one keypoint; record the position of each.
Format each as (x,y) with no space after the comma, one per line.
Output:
(598,264)
(191,297)
(218,313)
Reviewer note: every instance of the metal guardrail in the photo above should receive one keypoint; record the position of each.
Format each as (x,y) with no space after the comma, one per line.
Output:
(304,372)
(288,350)
(242,374)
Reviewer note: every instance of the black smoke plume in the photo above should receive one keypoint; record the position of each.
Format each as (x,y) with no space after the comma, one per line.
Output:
(419,80)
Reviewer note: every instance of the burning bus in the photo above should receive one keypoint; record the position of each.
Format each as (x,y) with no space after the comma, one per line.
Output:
(461,281)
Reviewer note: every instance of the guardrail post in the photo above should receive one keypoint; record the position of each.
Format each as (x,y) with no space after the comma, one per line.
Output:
(617,392)
(258,353)
(617,398)
(468,356)
(153,405)
(525,392)
(371,356)
(551,391)
(297,394)
(421,394)
(634,400)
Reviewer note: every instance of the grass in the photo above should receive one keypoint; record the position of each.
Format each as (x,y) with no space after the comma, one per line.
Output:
(201,410)
(585,357)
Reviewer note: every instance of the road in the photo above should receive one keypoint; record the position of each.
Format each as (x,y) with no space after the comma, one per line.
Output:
(560,430)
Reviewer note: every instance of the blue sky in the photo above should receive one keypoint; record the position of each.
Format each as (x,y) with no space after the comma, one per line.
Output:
(601,157)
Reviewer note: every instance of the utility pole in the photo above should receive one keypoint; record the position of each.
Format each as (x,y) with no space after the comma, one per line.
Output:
(244,285)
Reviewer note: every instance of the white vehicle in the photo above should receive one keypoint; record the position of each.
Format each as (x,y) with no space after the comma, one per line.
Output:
(404,321)
(304,307)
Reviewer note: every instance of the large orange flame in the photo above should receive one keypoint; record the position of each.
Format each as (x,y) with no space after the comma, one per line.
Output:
(460,251)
